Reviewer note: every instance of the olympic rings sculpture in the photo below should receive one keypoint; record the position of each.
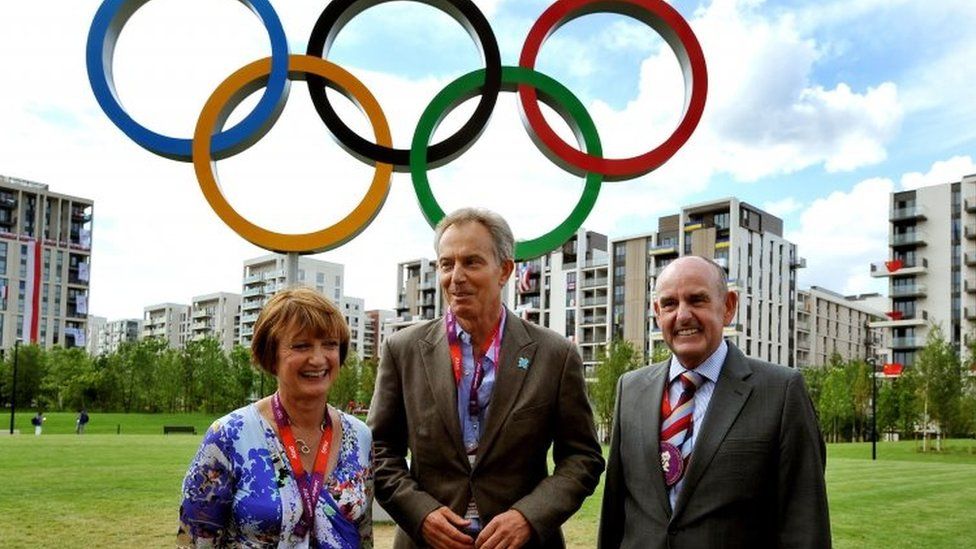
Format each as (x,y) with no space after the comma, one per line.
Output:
(211,142)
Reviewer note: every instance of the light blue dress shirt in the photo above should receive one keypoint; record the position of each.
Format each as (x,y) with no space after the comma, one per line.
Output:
(709,370)
(473,426)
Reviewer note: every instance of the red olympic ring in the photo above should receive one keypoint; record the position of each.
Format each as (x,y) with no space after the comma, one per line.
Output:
(676,32)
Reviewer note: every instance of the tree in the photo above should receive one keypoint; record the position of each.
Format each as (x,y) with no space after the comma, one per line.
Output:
(835,399)
(212,387)
(618,357)
(246,377)
(940,382)
(859,377)
(346,386)
(367,381)
(31,371)
(70,376)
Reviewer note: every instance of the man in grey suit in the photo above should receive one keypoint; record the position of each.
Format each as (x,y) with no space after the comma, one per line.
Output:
(477,398)
(710,448)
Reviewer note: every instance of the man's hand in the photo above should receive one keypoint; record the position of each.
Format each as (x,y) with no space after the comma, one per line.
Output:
(441,529)
(507,530)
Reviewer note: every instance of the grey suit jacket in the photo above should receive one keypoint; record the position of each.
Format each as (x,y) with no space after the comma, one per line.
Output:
(756,474)
(414,409)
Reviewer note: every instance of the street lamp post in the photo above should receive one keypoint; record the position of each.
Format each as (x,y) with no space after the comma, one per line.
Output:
(874,408)
(13,388)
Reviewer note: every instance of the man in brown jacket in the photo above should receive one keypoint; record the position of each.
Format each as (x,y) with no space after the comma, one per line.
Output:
(477,398)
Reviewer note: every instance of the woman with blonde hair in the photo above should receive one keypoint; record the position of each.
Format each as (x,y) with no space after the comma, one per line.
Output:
(287,470)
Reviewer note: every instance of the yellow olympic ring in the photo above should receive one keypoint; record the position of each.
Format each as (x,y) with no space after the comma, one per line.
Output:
(229,94)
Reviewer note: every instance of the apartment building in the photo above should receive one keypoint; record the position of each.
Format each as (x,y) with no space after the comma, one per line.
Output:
(418,293)
(747,241)
(931,268)
(169,322)
(216,316)
(829,323)
(45,260)
(353,310)
(376,331)
(265,275)
(567,291)
(95,334)
(107,336)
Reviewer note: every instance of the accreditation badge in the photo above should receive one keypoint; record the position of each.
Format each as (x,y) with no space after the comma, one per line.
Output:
(671,463)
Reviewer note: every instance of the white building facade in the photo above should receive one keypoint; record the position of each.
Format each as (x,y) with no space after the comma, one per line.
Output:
(930,268)
(169,322)
(216,316)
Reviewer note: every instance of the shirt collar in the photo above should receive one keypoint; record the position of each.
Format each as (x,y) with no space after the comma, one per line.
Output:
(710,369)
(494,350)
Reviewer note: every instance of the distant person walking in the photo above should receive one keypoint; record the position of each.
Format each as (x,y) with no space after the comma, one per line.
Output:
(81,422)
(38,422)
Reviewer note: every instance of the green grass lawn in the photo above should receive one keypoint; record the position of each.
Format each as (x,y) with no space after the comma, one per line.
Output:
(103,490)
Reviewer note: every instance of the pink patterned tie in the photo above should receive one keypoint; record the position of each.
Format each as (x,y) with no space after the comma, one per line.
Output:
(676,427)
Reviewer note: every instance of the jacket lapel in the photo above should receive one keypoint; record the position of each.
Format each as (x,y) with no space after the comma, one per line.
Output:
(436,356)
(516,344)
(649,393)
(731,393)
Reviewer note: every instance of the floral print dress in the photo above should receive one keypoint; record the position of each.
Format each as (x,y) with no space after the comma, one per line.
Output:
(240,491)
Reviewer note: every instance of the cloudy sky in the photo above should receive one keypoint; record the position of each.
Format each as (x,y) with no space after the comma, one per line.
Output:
(816,112)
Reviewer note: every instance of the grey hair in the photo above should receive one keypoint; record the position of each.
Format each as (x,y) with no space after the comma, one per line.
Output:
(501,233)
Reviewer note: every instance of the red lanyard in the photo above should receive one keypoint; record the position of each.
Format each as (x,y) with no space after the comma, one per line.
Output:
(309,486)
(450,324)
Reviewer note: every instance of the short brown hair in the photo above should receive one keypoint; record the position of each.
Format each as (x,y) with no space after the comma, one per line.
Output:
(297,309)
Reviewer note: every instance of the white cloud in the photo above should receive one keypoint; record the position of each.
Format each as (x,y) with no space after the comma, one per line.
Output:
(782,208)
(943,171)
(766,117)
(842,234)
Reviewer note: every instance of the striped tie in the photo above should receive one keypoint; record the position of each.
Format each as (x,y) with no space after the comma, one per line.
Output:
(677,425)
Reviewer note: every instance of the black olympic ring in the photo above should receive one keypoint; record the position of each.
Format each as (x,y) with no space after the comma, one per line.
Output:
(339,12)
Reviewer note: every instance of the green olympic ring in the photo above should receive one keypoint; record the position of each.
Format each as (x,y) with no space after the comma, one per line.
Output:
(553,94)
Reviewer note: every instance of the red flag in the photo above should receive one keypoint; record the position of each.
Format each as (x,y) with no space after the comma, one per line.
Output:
(894,265)
(893,369)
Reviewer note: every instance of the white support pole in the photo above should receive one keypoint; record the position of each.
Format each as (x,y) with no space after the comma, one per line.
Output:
(291,269)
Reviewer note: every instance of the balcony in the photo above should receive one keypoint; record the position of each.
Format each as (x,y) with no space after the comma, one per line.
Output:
(897,267)
(910,290)
(803,325)
(798,263)
(253,278)
(970,232)
(906,214)
(969,204)
(202,313)
(595,319)
(594,282)
(911,238)
(732,330)
(252,305)
(249,317)
(907,342)
(663,249)
(252,292)
(898,319)
(969,286)
(969,313)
